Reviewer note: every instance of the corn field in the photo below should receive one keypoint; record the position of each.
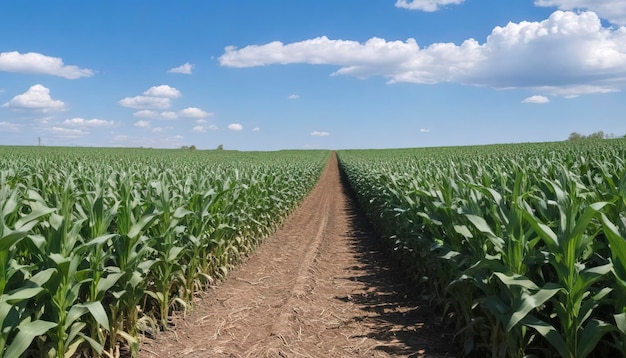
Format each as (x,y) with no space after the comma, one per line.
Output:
(100,245)
(523,247)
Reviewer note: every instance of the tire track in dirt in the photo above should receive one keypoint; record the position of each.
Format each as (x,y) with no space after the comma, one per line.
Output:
(318,287)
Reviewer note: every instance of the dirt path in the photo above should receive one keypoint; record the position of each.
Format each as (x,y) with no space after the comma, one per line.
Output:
(319,287)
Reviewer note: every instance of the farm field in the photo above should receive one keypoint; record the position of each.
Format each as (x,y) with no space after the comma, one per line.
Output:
(523,246)
(99,245)
(319,287)
(505,250)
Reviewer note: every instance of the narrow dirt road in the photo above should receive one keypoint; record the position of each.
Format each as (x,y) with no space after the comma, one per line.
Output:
(318,287)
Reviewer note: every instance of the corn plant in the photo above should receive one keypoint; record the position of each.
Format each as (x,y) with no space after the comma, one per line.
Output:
(17,287)
(516,243)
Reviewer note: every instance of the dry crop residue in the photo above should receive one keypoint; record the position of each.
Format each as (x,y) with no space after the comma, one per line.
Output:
(318,287)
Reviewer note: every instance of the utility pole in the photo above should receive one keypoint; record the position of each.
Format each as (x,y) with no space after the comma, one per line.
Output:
(39,139)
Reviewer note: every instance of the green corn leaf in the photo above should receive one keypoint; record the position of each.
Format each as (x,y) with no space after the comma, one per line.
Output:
(516,280)
(28,330)
(548,332)
(37,210)
(173,253)
(74,314)
(590,336)
(11,238)
(586,310)
(98,313)
(42,276)
(109,281)
(21,294)
(529,303)
(93,343)
(139,226)
(620,322)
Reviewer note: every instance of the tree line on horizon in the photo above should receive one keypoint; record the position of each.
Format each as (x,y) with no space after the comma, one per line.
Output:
(596,135)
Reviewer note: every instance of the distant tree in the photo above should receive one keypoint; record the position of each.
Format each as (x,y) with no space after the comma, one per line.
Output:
(220,147)
(184,147)
(575,136)
(192,147)
(596,135)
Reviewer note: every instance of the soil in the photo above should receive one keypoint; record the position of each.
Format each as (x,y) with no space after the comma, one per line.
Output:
(321,286)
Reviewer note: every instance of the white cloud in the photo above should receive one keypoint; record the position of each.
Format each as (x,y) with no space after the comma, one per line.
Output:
(201,121)
(156,115)
(156,97)
(142,124)
(567,54)
(145,113)
(256,129)
(162,91)
(425,5)
(9,127)
(33,62)
(235,127)
(169,115)
(146,102)
(204,129)
(424,130)
(88,123)
(320,134)
(293,96)
(193,112)
(67,133)
(37,97)
(157,130)
(612,10)
(184,69)
(536,99)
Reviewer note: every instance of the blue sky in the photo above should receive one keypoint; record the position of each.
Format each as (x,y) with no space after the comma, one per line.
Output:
(268,75)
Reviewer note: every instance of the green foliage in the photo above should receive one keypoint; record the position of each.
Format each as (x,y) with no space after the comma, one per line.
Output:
(523,245)
(97,245)
(597,135)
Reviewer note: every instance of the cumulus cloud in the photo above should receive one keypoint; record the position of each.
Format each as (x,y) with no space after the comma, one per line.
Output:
(612,10)
(145,113)
(163,91)
(37,98)
(169,115)
(536,99)
(156,97)
(235,127)
(293,96)
(426,5)
(256,129)
(67,133)
(193,112)
(184,69)
(204,129)
(88,123)
(142,124)
(201,121)
(157,130)
(146,102)
(424,130)
(33,62)
(320,134)
(567,54)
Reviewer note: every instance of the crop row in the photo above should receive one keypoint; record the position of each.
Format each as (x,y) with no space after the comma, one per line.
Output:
(524,246)
(97,245)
